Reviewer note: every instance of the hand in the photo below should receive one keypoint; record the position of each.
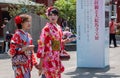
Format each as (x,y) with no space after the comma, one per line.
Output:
(37,66)
(24,48)
(40,72)
(3,26)
(66,40)
(73,39)
(69,40)
(31,47)
(28,47)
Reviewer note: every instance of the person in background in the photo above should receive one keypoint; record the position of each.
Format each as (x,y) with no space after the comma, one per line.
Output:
(69,35)
(7,41)
(5,21)
(113,26)
(21,44)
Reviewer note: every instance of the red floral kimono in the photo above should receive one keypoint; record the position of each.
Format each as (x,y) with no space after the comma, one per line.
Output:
(19,38)
(52,67)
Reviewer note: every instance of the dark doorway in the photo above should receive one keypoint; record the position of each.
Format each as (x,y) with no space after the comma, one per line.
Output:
(3,14)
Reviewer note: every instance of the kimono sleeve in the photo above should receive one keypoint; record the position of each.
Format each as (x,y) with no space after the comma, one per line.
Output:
(34,59)
(41,43)
(62,41)
(15,45)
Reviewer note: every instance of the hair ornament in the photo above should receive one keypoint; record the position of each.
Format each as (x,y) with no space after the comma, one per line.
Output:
(18,20)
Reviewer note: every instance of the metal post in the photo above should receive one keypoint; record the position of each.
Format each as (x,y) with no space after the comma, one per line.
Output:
(6,46)
(112,8)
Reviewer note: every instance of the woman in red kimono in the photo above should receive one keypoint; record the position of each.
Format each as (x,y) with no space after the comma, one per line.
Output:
(50,45)
(21,44)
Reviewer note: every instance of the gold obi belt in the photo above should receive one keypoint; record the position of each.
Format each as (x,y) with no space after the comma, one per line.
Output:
(56,45)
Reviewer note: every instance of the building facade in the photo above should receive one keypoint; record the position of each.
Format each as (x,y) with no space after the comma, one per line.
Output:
(4,5)
(115,9)
(118,11)
(3,14)
(46,2)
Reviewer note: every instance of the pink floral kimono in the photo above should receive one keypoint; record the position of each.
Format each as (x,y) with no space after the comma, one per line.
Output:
(52,67)
(19,38)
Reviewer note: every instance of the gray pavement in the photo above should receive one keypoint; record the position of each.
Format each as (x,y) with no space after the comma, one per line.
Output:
(71,71)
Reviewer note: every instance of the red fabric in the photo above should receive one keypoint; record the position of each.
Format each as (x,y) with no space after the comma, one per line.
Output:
(15,41)
(52,65)
(112,25)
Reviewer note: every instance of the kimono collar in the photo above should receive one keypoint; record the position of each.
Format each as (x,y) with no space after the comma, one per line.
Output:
(22,31)
(56,26)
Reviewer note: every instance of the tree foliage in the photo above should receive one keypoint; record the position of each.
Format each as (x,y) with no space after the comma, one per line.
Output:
(67,11)
(15,9)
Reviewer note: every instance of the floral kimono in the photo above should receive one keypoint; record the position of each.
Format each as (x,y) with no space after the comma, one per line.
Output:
(49,48)
(22,38)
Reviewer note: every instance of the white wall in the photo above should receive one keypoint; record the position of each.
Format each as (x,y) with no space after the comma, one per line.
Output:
(14,1)
(92,44)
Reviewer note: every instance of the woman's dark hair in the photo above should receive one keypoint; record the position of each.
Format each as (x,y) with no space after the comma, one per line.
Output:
(19,26)
(24,18)
(53,11)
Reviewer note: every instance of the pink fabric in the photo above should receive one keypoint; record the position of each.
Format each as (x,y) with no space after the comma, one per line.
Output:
(112,25)
(52,66)
(67,34)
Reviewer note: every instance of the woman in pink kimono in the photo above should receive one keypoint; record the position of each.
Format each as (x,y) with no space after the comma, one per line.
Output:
(50,46)
(21,45)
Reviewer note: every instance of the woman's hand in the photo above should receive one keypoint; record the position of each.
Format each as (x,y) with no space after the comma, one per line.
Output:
(40,67)
(28,48)
(69,40)
(37,66)
(31,47)
(40,71)
(24,48)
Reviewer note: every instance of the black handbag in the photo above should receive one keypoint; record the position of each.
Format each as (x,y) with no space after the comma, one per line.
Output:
(19,59)
(64,56)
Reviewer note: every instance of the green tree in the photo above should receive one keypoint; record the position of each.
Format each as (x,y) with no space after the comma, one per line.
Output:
(15,9)
(67,11)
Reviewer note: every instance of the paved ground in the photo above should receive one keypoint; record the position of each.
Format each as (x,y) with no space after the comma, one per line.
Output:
(112,71)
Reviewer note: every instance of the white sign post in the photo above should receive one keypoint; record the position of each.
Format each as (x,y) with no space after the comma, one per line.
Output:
(92,44)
